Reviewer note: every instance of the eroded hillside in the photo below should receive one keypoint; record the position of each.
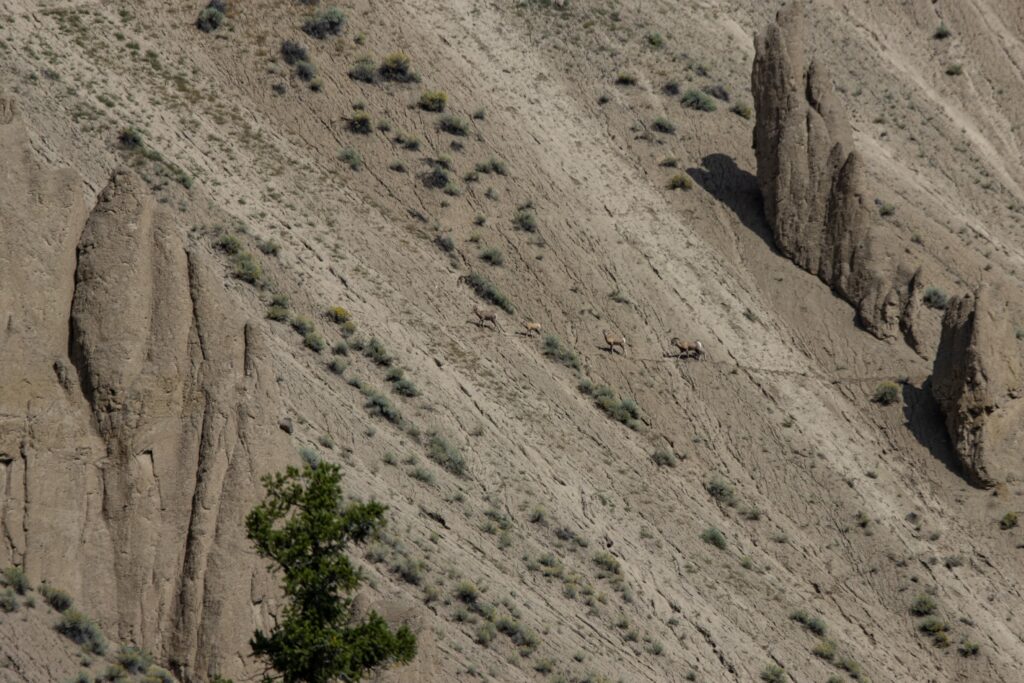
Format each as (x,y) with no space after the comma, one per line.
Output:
(219,254)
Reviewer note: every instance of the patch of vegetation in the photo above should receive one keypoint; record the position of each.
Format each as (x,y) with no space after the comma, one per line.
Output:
(623,410)
(487,291)
(15,579)
(82,630)
(1008,521)
(721,491)
(363,70)
(329,22)
(134,660)
(268,247)
(663,125)
(923,606)
(314,342)
(445,243)
(886,209)
(773,673)
(246,268)
(716,90)
(351,157)
(8,601)
(492,165)
(292,53)
(886,393)
(968,649)
(55,598)
(379,404)
(714,537)
(935,298)
(397,67)
(742,109)
(554,350)
(402,385)
(954,69)
(664,458)
(680,181)
(360,123)
(525,219)
(825,649)
(433,100)
(212,16)
(701,101)
(624,78)
(492,256)
(607,563)
(942,32)
(446,454)
(306,71)
(304,527)
(375,351)
(815,624)
(453,125)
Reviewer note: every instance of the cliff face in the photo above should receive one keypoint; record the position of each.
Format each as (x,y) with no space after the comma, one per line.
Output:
(810,175)
(977,381)
(132,401)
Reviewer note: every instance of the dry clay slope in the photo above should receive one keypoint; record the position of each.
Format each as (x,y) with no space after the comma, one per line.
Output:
(765,415)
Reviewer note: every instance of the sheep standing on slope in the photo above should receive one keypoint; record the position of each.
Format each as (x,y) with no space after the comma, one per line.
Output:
(532,327)
(613,340)
(688,349)
(486,315)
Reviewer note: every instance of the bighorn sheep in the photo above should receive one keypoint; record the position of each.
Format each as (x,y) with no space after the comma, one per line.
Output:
(613,340)
(486,315)
(688,349)
(532,327)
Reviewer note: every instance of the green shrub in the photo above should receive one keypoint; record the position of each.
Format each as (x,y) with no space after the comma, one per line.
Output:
(246,268)
(954,69)
(623,78)
(80,629)
(663,125)
(825,649)
(520,636)
(554,350)
(8,600)
(277,314)
(445,243)
(337,366)
(933,625)
(942,32)
(485,633)
(716,90)
(379,404)
(525,219)
(131,138)
(721,491)
(492,256)
(492,165)
(815,625)
(935,298)
(701,101)
(210,19)
(622,410)
(351,158)
(328,22)
(886,393)
(229,244)
(302,325)
(363,70)
(607,563)
(968,649)
(773,673)
(467,592)
(397,67)
(433,100)
(680,181)
(55,598)
(305,71)
(423,475)
(445,454)
(314,342)
(14,578)
(663,458)
(742,109)
(409,142)
(360,123)
(376,352)
(293,52)
(453,125)
(134,660)
(886,209)
(338,314)
(304,527)
(714,537)
(1008,521)
(923,605)
(268,247)
(487,291)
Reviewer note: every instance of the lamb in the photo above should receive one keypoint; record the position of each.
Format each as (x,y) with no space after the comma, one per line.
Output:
(486,315)
(532,327)
(613,340)
(688,349)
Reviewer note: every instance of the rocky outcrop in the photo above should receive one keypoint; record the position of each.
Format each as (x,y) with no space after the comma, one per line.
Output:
(978,381)
(810,176)
(137,414)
